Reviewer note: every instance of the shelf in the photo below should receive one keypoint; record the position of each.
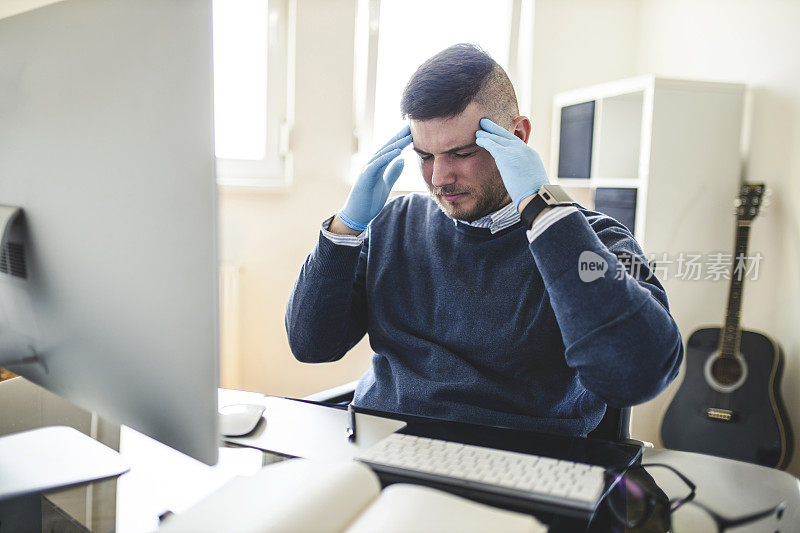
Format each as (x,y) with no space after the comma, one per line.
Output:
(582,195)
(616,182)
(620,128)
(600,182)
(605,90)
(665,139)
(618,134)
(573,182)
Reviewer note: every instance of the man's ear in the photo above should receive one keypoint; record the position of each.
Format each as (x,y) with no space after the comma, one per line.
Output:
(521,127)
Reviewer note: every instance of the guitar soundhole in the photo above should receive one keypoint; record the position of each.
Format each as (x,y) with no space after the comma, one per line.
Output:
(726,371)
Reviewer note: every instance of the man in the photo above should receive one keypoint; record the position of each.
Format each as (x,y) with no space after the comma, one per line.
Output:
(473,313)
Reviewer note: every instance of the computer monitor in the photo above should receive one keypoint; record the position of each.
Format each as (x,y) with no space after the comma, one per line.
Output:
(106,145)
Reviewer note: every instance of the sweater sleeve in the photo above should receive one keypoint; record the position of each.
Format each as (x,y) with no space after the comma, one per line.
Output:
(612,311)
(326,313)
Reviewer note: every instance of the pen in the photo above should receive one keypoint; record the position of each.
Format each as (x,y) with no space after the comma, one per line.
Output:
(351,425)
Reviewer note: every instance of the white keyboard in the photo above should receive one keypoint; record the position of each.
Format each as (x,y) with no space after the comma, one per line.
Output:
(518,475)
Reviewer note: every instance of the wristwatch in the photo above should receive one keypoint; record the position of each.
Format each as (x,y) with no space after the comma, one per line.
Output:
(547,196)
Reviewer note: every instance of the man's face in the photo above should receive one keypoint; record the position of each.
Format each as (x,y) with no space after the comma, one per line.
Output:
(461,176)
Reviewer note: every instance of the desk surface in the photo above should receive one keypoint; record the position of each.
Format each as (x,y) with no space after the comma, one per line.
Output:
(162,479)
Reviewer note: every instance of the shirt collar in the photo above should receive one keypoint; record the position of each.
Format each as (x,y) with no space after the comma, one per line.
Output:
(499,220)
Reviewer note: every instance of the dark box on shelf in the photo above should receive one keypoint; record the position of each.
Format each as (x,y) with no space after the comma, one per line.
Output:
(618,203)
(575,142)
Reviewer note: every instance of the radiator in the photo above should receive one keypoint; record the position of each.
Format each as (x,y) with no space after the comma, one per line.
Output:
(229,324)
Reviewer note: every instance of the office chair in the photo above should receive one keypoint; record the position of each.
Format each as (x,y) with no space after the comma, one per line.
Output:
(614,426)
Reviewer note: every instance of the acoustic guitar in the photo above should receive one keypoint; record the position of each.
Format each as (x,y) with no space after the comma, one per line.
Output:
(729,403)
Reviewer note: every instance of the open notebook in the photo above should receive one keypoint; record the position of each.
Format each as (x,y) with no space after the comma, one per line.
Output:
(299,495)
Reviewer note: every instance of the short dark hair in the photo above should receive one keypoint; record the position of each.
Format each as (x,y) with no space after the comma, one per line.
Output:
(444,85)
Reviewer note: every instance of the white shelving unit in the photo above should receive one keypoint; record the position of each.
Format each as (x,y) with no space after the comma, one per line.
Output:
(677,142)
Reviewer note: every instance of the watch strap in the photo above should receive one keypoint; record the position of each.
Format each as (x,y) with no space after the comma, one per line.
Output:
(548,195)
(532,210)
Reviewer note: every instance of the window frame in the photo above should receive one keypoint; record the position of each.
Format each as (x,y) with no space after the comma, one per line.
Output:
(274,171)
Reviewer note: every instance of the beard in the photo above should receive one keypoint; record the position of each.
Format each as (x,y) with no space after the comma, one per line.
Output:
(488,199)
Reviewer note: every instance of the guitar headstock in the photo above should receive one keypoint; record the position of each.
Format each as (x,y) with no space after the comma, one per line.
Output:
(749,202)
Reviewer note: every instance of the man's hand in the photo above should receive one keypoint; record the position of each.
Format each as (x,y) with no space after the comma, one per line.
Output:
(373,185)
(520,166)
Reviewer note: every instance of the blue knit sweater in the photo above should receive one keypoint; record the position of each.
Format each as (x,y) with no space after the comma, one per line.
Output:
(488,328)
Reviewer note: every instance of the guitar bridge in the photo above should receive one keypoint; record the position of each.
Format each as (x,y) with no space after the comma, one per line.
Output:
(722,415)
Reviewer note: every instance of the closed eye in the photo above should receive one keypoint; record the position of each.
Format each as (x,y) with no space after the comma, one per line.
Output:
(467,154)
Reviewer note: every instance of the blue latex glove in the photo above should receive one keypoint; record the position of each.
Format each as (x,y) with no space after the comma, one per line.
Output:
(520,166)
(373,185)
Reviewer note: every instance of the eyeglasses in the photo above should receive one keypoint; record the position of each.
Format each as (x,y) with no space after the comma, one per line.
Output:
(639,504)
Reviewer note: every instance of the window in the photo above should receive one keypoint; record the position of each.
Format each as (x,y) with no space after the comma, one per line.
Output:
(398,35)
(251,120)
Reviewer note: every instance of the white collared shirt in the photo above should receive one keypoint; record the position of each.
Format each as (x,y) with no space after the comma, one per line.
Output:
(499,220)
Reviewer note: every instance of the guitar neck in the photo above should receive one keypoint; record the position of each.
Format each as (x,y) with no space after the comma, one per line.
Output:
(730,334)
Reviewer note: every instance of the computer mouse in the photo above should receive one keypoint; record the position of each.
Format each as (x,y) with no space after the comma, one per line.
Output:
(239,419)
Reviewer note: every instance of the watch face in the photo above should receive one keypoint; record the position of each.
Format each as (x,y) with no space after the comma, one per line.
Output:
(554,195)
(547,197)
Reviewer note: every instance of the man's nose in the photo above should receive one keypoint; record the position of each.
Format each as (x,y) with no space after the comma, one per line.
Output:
(442,173)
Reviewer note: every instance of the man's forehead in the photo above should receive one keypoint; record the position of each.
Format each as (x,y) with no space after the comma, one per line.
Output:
(439,135)
(442,135)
